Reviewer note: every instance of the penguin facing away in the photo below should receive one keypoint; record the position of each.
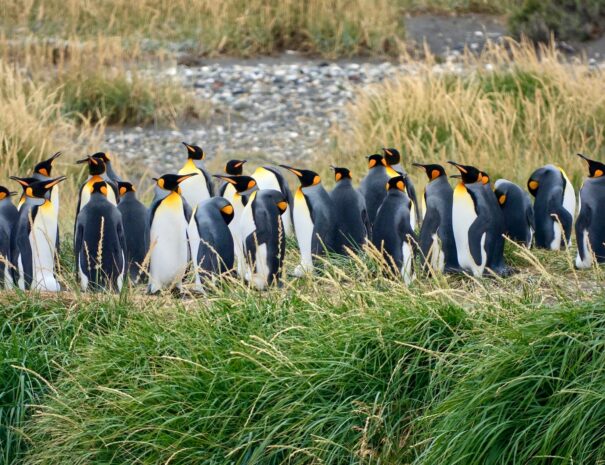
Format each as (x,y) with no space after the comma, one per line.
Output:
(437,242)
(392,233)
(372,186)
(554,207)
(472,221)
(590,225)
(268,177)
(35,238)
(264,237)
(232,168)
(198,188)
(135,222)
(215,254)
(313,218)
(169,243)
(100,244)
(351,216)
(96,173)
(518,211)
(392,157)
(8,220)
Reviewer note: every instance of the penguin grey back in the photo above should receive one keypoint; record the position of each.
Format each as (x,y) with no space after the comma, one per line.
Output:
(518,211)
(373,186)
(215,253)
(135,221)
(350,214)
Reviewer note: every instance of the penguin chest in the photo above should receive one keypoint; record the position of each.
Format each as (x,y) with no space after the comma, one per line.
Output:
(169,244)
(194,189)
(265,180)
(303,225)
(569,197)
(87,190)
(463,217)
(54,197)
(43,238)
(229,192)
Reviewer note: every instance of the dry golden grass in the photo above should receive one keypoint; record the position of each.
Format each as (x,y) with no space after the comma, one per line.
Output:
(241,27)
(508,112)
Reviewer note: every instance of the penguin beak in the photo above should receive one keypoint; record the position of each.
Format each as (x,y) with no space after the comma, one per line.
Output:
(386,151)
(224,178)
(419,165)
(292,170)
(456,176)
(54,182)
(11,193)
(584,157)
(154,179)
(458,166)
(55,156)
(88,159)
(23,182)
(237,165)
(186,176)
(189,147)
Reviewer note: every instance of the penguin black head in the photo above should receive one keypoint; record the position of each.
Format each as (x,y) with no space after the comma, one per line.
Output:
(376,160)
(469,174)
(391,156)
(194,152)
(99,187)
(596,169)
(124,187)
(235,167)
(397,183)
(225,207)
(96,165)
(41,189)
(45,167)
(102,156)
(170,182)
(432,171)
(341,173)
(25,182)
(306,177)
(4,193)
(240,183)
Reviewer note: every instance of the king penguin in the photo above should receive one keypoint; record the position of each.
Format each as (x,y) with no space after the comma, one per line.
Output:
(437,241)
(8,220)
(215,253)
(314,218)
(268,177)
(590,225)
(232,168)
(372,186)
(554,207)
(43,172)
(135,221)
(100,244)
(111,174)
(474,225)
(392,233)
(392,157)
(96,172)
(350,212)
(517,210)
(35,238)
(24,183)
(196,188)
(169,242)
(264,237)
(243,187)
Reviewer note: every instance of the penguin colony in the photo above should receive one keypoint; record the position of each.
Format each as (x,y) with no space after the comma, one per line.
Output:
(243,229)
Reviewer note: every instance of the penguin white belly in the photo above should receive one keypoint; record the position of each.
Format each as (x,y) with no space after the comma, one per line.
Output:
(194,189)
(265,179)
(407,272)
(83,277)
(238,236)
(587,262)
(557,235)
(42,239)
(437,257)
(169,245)
(54,197)
(303,227)
(21,279)
(8,278)
(463,216)
(260,277)
(229,193)
(413,215)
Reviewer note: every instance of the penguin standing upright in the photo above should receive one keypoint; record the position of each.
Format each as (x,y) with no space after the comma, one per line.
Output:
(111,174)
(215,252)
(554,207)
(590,225)
(392,159)
(372,186)
(313,218)
(99,243)
(393,234)
(169,242)
(8,220)
(517,210)
(475,231)
(243,187)
(196,188)
(437,241)
(43,172)
(96,173)
(268,177)
(351,217)
(264,237)
(232,168)
(35,238)
(495,259)
(135,221)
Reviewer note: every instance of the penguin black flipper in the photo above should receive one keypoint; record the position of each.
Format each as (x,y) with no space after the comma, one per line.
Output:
(555,207)
(221,189)
(411,191)
(529,215)
(78,239)
(582,224)
(4,256)
(475,233)
(210,184)
(429,228)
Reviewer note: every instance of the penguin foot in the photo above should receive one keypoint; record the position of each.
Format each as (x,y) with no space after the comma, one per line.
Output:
(302,270)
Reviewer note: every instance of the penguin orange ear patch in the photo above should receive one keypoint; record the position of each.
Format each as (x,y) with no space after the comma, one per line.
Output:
(338,176)
(43,171)
(533,185)
(104,190)
(251,184)
(316,180)
(227,210)
(435,174)
(371,163)
(29,192)
(161,183)
(122,190)
(400,186)
(283,205)
(502,199)
(598,173)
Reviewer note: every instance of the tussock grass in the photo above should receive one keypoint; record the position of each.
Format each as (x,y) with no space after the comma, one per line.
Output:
(327,27)
(508,112)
